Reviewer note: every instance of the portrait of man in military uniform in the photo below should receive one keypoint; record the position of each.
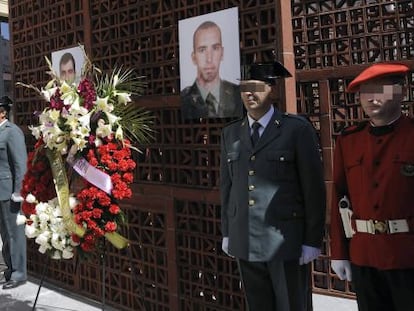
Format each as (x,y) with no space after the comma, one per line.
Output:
(67,63)
(214,91)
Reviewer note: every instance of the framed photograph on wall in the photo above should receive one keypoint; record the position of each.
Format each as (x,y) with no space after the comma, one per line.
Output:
(67,63)
(210,64)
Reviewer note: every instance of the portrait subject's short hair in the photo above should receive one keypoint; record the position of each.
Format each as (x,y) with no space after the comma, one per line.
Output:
(66,58)
(203,26)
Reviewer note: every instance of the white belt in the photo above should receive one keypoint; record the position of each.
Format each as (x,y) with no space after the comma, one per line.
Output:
(378,226)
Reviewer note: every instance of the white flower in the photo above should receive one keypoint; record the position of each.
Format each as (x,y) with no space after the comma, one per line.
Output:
(112,118)
(67,253)
(72,202)
(123,98)
(53,115)
(71,99)
(44,217)
(65,88)
(103,129)
(49,92)
(30,198)
(80,142)
(41,208)
(43,238)
(30,231)
(36,132)
(56,255)
(119,133)
(55,241)
(72,121)
(20,220)
(85,120)
(98,142)
(103,105)
(48,229)
(115,81)
(43,248)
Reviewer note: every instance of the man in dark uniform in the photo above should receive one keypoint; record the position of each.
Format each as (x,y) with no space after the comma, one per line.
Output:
(273,196)
(374,169)
(209,96)
(13,159)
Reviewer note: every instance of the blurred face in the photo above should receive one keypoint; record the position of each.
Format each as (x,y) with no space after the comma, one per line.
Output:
(3,114)
(255,96)
(67,71)
(207,54)
(381,99)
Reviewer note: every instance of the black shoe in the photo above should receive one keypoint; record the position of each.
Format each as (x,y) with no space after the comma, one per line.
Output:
(13,284)
(3,279)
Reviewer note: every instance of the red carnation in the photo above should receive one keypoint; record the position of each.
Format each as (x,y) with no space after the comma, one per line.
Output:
(110,226)
(96,213)
(114,209)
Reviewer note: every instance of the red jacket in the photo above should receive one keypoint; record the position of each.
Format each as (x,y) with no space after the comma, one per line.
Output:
(377,174)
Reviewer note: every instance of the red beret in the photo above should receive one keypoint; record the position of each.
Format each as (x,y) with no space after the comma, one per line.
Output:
(377,71)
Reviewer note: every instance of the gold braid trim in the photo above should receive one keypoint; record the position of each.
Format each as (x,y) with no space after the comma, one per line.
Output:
(62,190)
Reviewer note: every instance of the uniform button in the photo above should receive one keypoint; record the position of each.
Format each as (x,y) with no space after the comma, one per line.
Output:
(251,202)
(379,141)
(376,162)
(375,184)
(251,187)
(252,158)
(376,206)
(282,159)
(251,173)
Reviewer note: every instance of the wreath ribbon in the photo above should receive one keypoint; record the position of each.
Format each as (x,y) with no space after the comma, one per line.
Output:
(92,175)
(62,190)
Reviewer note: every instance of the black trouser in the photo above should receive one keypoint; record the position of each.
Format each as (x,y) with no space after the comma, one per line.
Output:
(276,285)
(383,290)
(14,241)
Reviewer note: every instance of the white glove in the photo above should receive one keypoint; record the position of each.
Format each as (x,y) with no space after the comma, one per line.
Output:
(309,253)
(225,245)
(16,197)
(342,268)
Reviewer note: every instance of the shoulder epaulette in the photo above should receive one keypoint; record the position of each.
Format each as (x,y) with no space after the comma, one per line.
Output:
(186,90)
(354,128)
(234,121)
(296,116)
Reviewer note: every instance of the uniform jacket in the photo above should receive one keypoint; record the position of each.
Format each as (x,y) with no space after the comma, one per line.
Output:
(194,107)
(13,158)
(377,173)
(282,174)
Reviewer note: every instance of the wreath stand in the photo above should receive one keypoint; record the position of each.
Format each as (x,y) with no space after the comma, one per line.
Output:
(41,282)
(102,263)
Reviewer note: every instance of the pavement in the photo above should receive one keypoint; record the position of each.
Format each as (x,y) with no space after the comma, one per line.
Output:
(52,298)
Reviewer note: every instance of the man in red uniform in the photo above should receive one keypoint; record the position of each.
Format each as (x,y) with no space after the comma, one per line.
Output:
(374,168)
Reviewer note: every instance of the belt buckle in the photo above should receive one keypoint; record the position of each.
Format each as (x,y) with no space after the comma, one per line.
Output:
(398,226)
(380,226)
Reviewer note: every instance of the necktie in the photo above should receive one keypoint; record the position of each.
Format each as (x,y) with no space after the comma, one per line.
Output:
(210,101)
(255,136)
